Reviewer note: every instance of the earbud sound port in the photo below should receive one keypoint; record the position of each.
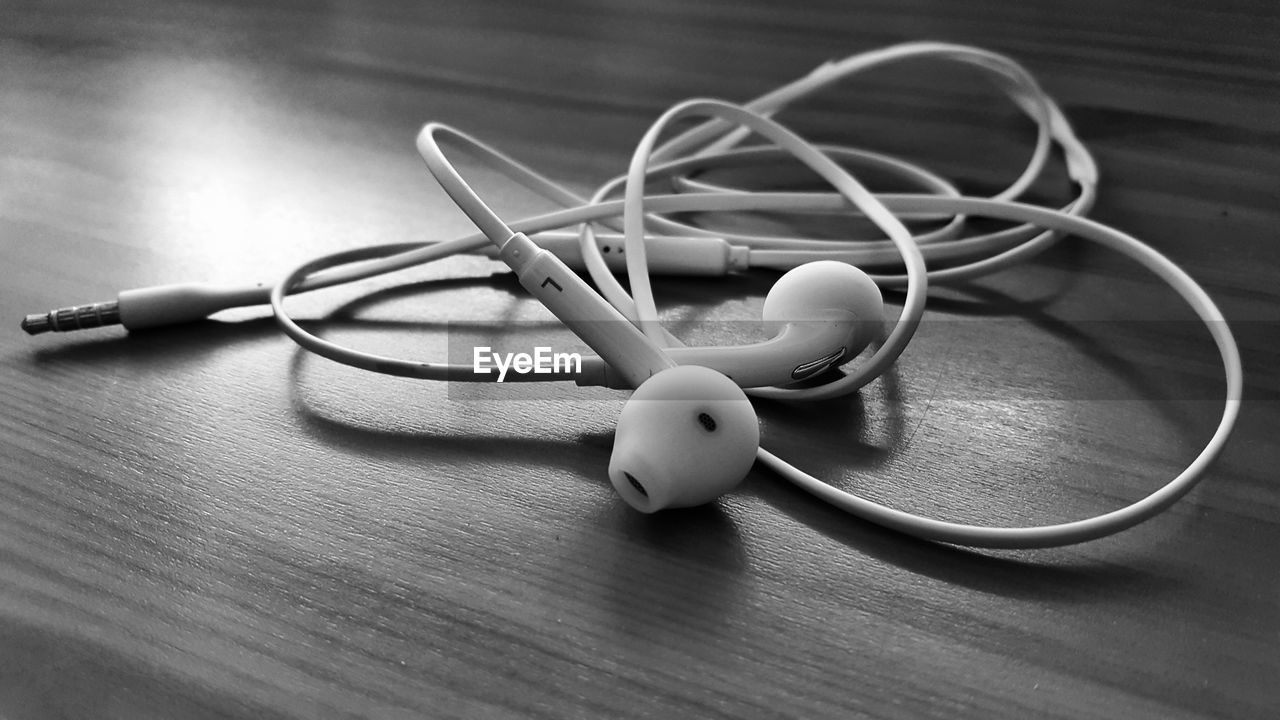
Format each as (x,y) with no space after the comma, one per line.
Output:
(636,484)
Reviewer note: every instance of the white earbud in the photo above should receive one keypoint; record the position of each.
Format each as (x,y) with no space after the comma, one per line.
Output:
(687,436)
(827,296)
(820,314)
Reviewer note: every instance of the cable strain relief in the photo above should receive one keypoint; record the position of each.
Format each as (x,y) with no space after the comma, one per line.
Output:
(518,252)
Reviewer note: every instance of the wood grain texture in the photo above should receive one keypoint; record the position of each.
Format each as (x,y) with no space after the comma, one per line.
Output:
(205,523)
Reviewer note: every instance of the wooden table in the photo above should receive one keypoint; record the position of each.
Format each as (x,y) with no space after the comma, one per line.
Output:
(207,522)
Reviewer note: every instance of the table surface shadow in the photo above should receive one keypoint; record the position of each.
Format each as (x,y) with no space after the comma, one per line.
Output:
(206,522)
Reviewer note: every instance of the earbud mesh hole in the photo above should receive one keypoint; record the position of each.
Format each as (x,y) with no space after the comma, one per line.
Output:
(636,484)
(708,423)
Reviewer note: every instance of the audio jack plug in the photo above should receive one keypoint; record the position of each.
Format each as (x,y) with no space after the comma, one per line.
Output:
(148,307)
(78,317)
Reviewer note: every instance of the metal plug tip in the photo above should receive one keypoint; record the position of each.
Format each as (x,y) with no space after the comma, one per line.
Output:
(36,324)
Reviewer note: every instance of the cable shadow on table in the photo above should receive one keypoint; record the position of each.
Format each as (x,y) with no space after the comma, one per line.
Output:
(1043,575)
(1055,574)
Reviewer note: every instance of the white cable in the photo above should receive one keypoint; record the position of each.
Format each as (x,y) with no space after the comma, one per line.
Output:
(715,144)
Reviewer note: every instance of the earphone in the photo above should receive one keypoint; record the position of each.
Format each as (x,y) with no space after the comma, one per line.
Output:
(689,434)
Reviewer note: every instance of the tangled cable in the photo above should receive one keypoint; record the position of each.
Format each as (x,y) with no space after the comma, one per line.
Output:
(650,221)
